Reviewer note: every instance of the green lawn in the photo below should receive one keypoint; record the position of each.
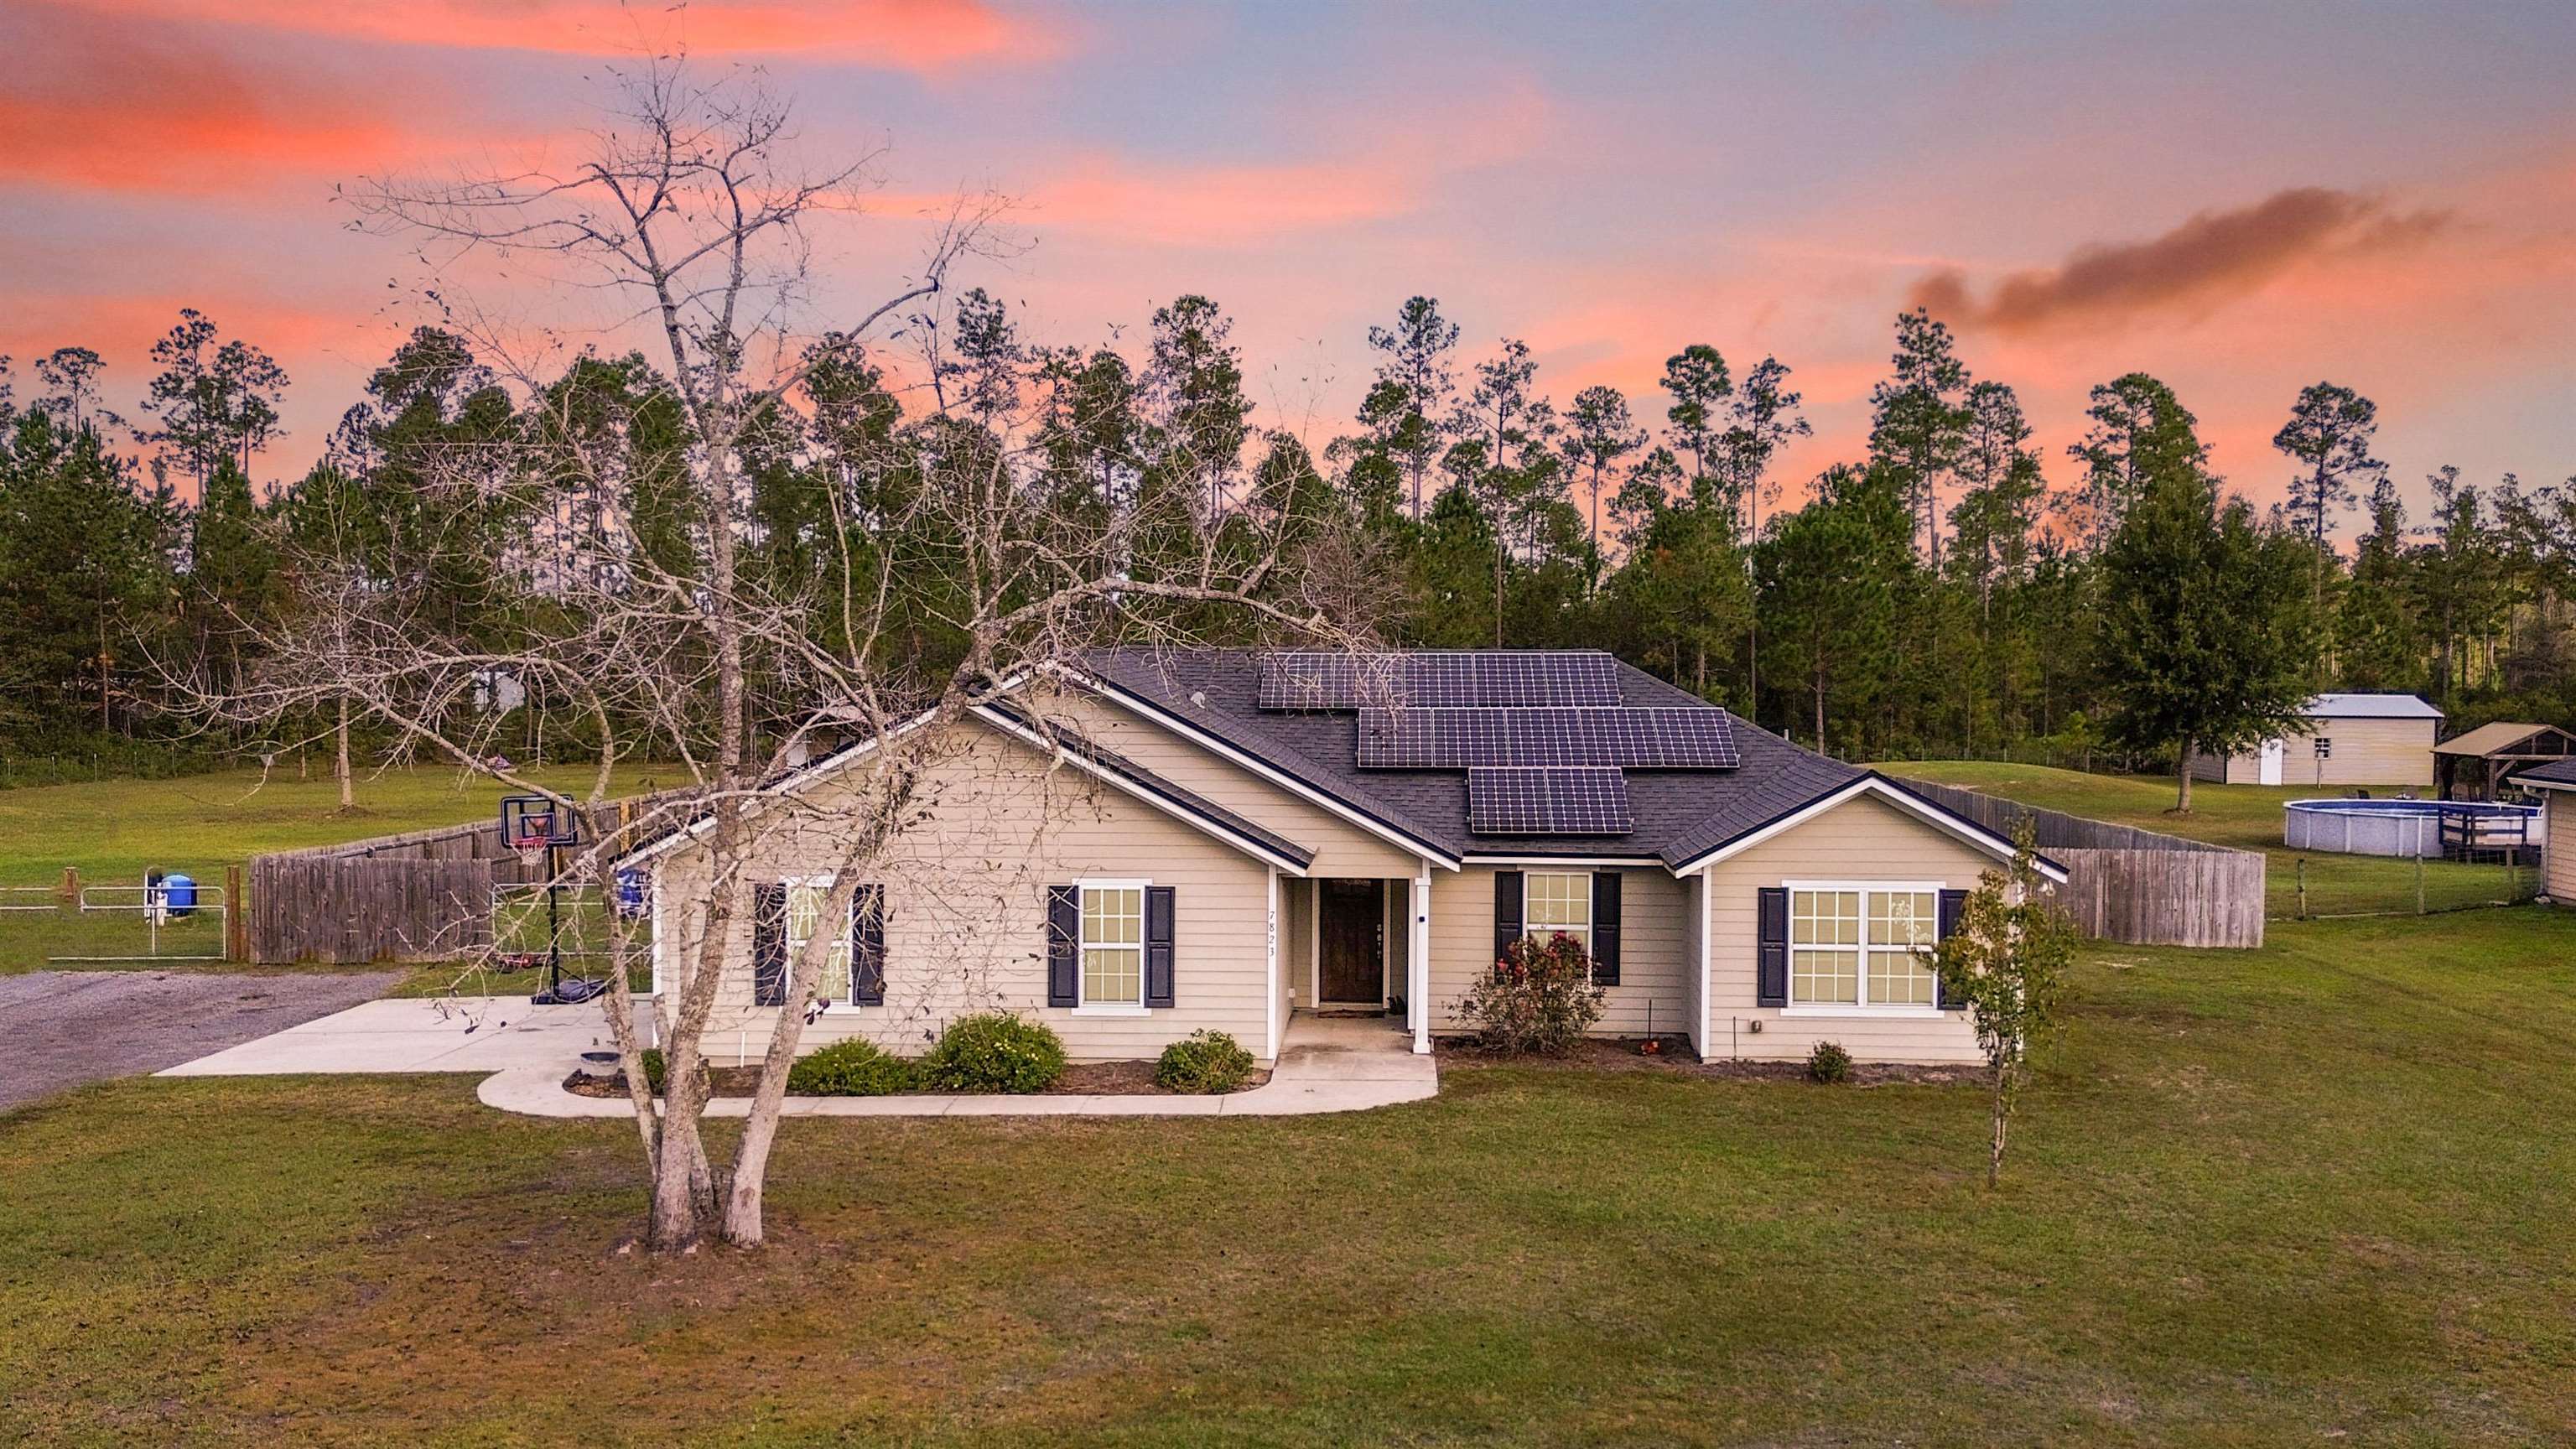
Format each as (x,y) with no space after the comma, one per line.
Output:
(2247,817)
(115,830)
(2311,1193)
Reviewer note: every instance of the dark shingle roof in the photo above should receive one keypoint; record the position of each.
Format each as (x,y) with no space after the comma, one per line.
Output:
(1679,814)
(2557,772)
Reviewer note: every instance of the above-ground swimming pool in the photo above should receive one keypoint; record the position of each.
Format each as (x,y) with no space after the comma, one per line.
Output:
(2406,827)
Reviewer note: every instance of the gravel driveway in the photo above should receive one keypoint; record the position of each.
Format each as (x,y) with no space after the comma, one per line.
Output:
(59,1029)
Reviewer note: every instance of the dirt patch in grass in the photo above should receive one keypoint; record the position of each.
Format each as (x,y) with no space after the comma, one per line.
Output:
(1673,1056)
(1089,1079)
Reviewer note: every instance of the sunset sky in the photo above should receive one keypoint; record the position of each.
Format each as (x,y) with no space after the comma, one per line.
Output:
(2241,199)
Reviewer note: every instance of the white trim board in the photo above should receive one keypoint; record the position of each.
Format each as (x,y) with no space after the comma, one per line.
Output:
(1218,746)
(1878,785)
(1205,826)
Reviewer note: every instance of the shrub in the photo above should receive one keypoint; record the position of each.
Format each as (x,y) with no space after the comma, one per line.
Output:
(1203,1062)
(852,1068)
(1828,1063)
(1540,998)
(993,1051)
(654,1070)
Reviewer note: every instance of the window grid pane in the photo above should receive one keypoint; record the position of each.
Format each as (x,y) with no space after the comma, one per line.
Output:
(804,914)
(1555,903)
(1824,978)
(1113,934)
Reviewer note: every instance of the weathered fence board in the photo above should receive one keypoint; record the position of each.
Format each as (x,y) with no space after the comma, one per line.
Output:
(2126,884)
(420,895)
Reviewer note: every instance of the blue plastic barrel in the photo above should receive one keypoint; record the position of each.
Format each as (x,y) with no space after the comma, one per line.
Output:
(179,894)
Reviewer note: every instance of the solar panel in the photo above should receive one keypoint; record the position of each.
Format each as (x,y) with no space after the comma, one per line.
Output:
(1322,680)
(1450,739)
(1584,800)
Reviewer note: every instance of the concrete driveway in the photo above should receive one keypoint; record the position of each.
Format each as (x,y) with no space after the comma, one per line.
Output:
(60,1029)
(475,1034)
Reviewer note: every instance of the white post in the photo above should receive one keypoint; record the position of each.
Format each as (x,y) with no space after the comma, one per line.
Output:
(1270,1003)
(1417,962)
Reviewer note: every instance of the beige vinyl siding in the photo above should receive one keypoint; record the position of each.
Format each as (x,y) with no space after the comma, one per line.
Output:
(1341,847)
(1862,839)
(2363,752)
(2558,808)
(1653,967)
(966,910)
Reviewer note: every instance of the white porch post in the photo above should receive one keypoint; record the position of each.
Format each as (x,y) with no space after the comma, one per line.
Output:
(1417,962)
(1270,978)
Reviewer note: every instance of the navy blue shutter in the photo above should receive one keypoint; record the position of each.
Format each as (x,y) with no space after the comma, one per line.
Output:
(867,946)
(1158,945)
(1953,904)
(1605,928)
(1771,964)
(1064,946)
(1507,911)
(769,945)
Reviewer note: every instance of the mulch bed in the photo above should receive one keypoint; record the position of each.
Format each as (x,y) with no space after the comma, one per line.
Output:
(1089,1079)
(1624,1054)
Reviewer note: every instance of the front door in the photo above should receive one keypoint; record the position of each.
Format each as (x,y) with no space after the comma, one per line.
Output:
(1354,917)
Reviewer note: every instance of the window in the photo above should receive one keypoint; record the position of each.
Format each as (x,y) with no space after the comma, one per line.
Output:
(805,903)
(1113,946)
(1557,905)
(1856,946)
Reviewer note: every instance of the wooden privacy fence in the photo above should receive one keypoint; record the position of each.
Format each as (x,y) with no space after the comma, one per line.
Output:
(2126,884)
(423,895)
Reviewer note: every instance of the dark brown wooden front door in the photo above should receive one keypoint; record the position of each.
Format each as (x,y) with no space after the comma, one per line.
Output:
(1354,916)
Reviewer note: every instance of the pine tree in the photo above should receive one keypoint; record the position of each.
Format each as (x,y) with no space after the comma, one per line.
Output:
(2207,639)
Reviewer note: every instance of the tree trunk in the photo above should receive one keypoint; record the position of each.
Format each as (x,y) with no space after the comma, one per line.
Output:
(348,785)
(2182,777)
(2001,1115)
(742,1221)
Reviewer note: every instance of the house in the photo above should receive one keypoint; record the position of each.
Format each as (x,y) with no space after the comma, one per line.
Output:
(2348,739)
(2488,762)
(1147,844)
(2555,784)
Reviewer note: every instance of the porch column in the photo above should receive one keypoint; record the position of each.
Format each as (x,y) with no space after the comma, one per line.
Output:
(1417,962)
(1270,974)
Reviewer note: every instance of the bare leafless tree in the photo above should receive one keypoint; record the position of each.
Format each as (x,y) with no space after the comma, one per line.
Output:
(691,208)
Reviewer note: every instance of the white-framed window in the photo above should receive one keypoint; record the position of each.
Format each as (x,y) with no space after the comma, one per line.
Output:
(1857,946)
(1557,903)
(806,900)
(1112,971)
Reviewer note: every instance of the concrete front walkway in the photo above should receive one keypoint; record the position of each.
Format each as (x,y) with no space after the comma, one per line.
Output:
(1326,1064)
(472,1034)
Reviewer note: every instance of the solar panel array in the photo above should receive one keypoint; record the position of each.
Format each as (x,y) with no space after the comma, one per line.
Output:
(1452,739)
(1577,800)
(1320,680)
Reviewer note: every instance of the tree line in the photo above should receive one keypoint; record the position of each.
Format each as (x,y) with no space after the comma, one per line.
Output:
(1950,592)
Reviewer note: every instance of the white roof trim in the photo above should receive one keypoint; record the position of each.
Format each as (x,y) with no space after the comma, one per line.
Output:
(1630,862)
(1247,844)
(839,759)
(1217,746)
(1924,810)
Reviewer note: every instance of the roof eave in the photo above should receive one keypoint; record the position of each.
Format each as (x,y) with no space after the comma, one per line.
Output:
(1874,783)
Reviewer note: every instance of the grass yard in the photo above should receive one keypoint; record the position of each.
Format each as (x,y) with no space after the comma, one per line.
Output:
(2247,817)
(2313,1192)
(115,830)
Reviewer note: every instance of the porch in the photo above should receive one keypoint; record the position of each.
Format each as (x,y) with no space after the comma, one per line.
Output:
(1354,955)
